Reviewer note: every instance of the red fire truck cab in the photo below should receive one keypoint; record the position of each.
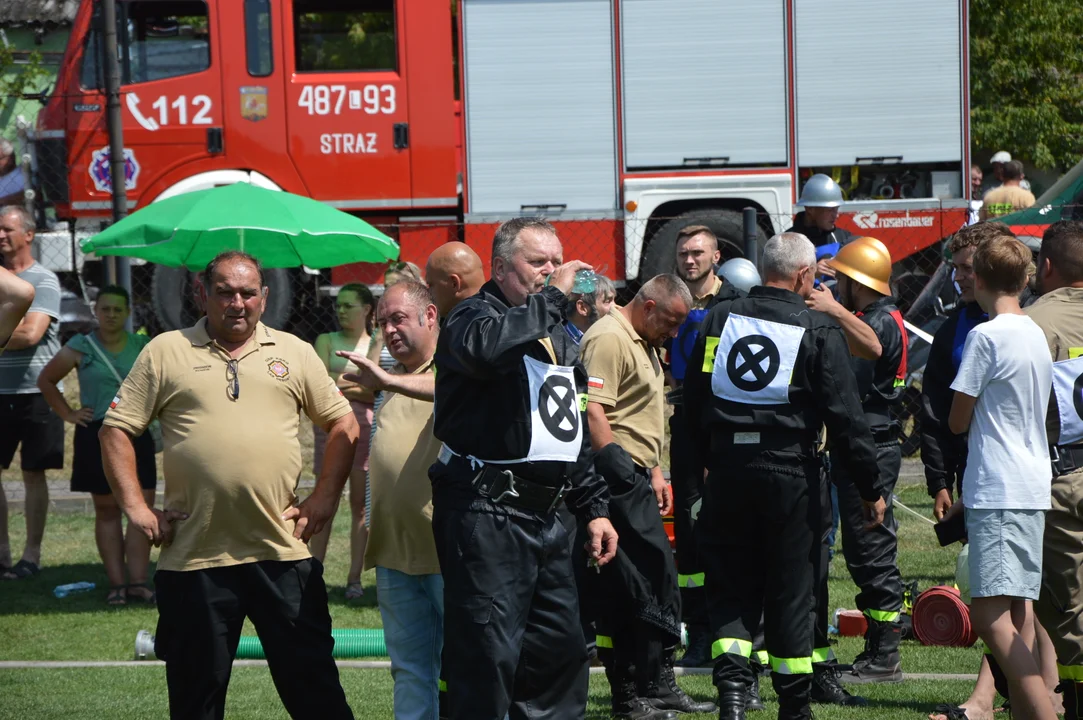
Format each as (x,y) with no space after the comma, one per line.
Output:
(619,120)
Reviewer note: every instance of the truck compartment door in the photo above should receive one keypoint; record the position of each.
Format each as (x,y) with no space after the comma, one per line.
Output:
(878,80)
(171,97)
(540,108)
(704,83)
(346,101)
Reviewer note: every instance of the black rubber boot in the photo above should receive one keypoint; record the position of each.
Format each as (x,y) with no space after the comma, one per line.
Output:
(666,694)
(793,696)
(754,701)
(879,662)
(626,702)
(826,689)
(1073,698)
(698,653)
(731,700)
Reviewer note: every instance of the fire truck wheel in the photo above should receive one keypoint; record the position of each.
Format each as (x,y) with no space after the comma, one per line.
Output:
(661,253)
(175,295)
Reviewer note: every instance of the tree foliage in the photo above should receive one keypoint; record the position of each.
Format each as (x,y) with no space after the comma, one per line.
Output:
(16,79)
(1026,71)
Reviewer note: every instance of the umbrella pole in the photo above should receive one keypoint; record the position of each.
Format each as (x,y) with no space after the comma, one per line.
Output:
(242,239)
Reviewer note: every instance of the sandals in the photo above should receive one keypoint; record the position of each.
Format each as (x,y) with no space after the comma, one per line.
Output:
(117,596)
(151,599)
(355,591)
(22,570)
(951,712)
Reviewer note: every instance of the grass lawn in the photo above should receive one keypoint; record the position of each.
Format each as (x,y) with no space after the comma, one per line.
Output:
(36,626)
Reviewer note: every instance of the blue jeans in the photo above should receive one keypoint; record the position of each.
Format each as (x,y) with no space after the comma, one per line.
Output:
(412,607)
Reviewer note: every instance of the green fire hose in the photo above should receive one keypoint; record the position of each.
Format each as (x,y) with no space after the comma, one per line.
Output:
(348,644)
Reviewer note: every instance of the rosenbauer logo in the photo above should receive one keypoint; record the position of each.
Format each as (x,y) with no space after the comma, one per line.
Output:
(873,221)
(100,173)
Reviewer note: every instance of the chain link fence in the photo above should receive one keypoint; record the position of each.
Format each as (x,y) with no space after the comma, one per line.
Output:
(302,301)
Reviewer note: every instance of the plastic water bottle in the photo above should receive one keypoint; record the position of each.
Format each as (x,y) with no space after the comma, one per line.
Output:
(62,591)
(584,282)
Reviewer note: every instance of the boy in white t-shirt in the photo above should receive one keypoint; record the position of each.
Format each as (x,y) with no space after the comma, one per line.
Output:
(1001,395)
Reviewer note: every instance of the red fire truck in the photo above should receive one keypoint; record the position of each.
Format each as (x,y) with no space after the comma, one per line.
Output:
(619,120)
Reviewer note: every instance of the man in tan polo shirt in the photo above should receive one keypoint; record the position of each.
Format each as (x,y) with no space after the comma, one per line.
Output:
(410,590)
(634,600)
(227,393)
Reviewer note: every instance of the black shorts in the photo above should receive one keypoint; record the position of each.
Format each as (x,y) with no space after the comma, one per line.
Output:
(27,420)
(87,473)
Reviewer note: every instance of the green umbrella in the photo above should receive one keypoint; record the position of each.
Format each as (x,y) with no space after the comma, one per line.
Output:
(282,230)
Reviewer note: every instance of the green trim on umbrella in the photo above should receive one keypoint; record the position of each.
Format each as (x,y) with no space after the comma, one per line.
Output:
(281,229)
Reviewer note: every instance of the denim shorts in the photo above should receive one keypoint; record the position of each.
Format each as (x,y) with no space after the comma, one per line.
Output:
(1005,552)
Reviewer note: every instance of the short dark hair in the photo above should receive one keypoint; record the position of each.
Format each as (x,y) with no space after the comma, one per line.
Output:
(228,256)
(690,231)
(976,234)
(418,293)
(116,291)
(506,239)
(1013,170)
(1002,263)
(1062,244)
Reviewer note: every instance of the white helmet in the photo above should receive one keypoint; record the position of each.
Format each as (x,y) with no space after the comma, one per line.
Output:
(820,191)
(740,273)
(1001,156)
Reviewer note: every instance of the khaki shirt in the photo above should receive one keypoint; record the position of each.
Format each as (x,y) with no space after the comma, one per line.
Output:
(1005,199)
(625,376)
(231,464)
(1060,316)
(400,503)
(700,301)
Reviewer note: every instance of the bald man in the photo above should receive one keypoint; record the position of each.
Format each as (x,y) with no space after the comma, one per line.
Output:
(453,273)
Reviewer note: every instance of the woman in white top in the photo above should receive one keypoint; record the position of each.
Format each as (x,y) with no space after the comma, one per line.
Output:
(355,308)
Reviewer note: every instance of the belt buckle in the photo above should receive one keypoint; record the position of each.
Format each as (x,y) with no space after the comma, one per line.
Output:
(509,491)
(558,497)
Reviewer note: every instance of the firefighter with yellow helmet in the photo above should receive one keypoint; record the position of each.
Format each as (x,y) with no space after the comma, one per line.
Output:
(863,271)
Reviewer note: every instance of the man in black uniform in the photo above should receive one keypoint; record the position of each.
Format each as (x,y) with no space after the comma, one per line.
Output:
(510,410)
(863,270)
(766,375)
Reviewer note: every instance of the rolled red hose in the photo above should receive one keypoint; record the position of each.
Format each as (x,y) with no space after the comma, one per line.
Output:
(941,618)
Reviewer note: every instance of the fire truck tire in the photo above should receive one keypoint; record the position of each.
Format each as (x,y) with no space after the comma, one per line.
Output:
(661,253)
(174,292)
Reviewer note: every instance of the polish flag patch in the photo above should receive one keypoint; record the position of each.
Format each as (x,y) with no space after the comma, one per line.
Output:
(116,399)
(595,382)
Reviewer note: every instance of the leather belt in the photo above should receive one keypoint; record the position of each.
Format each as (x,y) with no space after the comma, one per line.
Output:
(1066,459)
(885,436)
(730,440)
(503,487)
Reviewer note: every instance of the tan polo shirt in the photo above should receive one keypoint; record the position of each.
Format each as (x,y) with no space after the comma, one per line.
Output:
(625,376)
(231,464)
(1005,199)
(403,448)
(1060,316)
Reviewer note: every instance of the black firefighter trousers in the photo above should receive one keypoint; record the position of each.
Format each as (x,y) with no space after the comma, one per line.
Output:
(513,643)
(872,556)
(200,615)
(758,532)
(687,483)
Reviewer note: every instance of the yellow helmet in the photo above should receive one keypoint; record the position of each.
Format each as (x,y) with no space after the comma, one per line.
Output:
(865,260)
